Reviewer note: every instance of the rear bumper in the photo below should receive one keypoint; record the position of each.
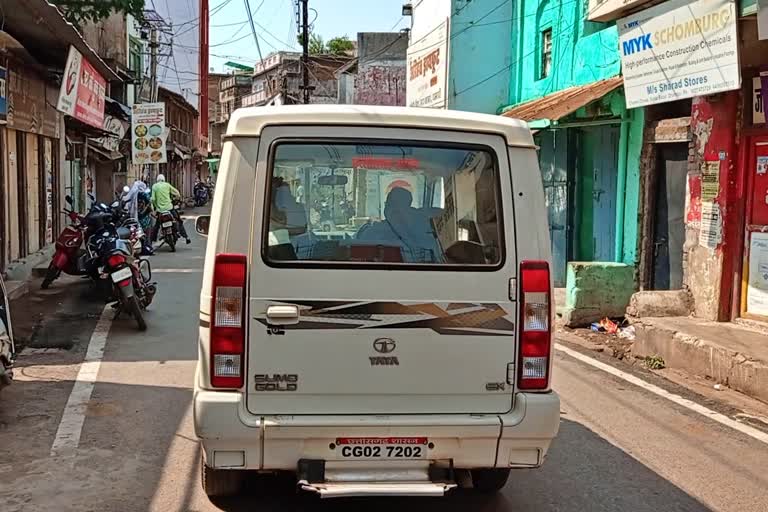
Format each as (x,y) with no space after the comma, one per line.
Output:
(233,438)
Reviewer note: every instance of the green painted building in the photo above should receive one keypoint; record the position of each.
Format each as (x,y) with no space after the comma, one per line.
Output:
(565,81)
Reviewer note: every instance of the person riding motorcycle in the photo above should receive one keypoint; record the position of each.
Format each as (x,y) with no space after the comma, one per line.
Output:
(163,194)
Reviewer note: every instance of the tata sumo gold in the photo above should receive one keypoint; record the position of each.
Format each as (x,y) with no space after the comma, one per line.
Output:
(376,307)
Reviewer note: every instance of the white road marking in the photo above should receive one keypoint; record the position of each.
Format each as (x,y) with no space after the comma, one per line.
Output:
(177,270)
(71,425)
(679,400)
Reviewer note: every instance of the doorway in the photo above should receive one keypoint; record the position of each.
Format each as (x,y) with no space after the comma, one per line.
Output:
(557,174)
(669,216)
(598,173)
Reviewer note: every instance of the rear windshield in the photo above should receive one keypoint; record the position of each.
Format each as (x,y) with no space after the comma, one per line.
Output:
(383,204)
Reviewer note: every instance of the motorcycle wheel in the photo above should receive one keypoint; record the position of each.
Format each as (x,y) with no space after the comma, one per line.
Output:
(172,243)
(50,276)
(136,313)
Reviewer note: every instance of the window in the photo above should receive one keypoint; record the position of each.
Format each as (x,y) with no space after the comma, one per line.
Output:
(347,203)
(136,58)
(546,53)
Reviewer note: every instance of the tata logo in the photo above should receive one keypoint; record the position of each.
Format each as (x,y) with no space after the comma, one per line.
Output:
(637,44)
(384,345)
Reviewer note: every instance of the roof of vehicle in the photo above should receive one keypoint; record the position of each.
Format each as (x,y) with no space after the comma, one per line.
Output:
(251,121)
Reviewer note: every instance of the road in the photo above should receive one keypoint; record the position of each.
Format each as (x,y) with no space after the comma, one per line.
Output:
(620,447)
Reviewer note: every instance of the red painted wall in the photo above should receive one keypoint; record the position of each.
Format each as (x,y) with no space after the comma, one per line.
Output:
(714,122)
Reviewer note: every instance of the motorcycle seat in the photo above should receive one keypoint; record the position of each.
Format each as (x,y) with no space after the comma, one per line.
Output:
(123,233)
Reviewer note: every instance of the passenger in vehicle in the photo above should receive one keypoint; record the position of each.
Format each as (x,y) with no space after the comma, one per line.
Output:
(286,213)
(407,227)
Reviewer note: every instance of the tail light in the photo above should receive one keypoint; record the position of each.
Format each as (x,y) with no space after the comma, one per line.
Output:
(535,326)
(115,260)
(228,321)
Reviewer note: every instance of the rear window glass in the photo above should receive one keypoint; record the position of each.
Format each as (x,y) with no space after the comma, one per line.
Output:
(383,204)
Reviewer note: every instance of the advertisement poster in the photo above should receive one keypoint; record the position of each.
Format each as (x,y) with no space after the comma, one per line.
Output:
(679,49)
(757,289)
(3,94)
(711,232)
(427,69)
(48,163)
(710,181)
(148,134)
(762,164)
(82,90)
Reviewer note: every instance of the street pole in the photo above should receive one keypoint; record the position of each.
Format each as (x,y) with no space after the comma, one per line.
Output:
(305,48)
(153,46)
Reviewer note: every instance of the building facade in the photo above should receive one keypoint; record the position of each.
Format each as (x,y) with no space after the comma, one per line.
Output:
(183,158)
(377,76)
(44,153)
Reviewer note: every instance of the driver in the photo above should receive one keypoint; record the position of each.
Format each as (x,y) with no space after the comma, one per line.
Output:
(162,200)
(405,226)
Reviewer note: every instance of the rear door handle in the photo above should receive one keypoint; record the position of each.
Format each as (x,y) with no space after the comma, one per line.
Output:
(283,315)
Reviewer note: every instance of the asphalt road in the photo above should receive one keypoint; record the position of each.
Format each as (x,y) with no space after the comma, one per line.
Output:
(619,448)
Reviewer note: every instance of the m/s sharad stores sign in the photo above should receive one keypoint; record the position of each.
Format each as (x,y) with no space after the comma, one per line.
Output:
(679,49)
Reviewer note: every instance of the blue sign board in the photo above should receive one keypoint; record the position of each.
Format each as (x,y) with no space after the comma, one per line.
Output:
(3,93)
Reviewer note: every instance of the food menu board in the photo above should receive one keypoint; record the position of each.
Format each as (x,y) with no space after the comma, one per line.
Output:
(148,134)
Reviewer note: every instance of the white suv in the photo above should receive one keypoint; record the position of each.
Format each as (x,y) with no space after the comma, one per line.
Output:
(376,303)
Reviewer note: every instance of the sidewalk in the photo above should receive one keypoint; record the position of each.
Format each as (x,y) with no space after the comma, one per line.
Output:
(726,353)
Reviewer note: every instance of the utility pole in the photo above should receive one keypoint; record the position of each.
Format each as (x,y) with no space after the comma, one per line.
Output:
(153,46)
(305,48)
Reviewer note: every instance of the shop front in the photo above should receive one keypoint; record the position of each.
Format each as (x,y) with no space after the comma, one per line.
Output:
(688,81)
(750,256)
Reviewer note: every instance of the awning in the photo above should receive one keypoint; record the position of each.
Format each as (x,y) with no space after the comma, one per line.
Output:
(106,154)
(561,103)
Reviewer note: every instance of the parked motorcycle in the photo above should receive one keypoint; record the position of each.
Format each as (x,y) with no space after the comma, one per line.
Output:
(69,256)
(130,277)
(7,347)
(202,194)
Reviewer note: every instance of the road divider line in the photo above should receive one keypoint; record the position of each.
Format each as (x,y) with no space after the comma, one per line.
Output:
(656,390)
(71,425)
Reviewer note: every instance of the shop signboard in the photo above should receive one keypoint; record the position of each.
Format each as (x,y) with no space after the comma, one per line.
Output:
(148,134)
(28,107)
(82,90)
(427,69)
(679,49)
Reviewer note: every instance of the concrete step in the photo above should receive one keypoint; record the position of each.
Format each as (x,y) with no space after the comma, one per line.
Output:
(16,289)
(727,353)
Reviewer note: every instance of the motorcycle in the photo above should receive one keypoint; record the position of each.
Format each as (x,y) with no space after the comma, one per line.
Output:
(130,277)
(7,347)
(69,256)
(202,194)
(168,227)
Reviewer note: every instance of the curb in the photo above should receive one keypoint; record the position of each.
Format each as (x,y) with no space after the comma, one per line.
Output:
(699,356)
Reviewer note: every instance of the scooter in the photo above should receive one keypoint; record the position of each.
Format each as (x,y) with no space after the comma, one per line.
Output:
(202,194)
(7,347)
(69,256)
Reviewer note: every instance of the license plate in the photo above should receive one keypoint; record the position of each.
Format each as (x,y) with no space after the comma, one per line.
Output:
(167,224)
(121,275)
(374,448)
